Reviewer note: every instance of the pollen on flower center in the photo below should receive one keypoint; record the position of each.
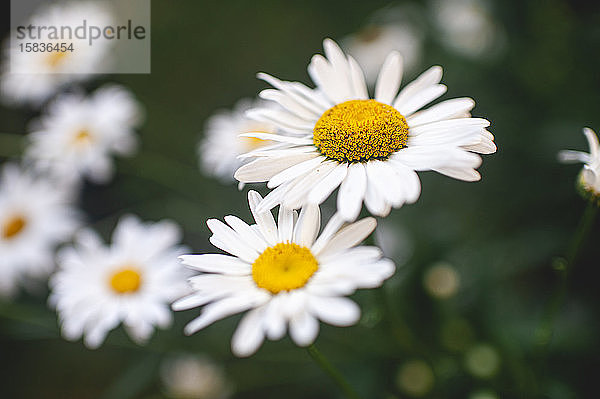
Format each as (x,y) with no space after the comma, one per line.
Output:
(82,137)
(284,267)
(13,226)
(55,58)
(360,130)
(126,281)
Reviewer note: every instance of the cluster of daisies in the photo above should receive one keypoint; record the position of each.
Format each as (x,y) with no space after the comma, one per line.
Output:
(43,235)
(287,273)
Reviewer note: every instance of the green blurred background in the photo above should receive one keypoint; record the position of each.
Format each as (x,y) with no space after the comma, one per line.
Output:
(501,235)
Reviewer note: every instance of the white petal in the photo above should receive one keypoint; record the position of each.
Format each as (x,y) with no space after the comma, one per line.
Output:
(387,182)
(247,233)
(289,103)
(286,224)
(349,236)
(295,171)
(569,156)
(264,220)
(448,109)
(295,92)
(421,99)
(221,309)
(592,140)
(274,322)
(304,328)
(375,201)
(249,335)
(389,78)
(226,235)
(352,192)
(216,263)
(296,196)
(329,183)
(428,78)
(279,138)
(334,310)
(460,174)
(410,181)
(308,225)
(261,170)
(332,226)
(357,77)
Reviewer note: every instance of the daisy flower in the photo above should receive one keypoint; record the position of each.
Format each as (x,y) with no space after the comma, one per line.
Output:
(371,148)
(131,281)
(33,77)
(589,178)
(35,216)
(221,146)
(78,135)
(283,274)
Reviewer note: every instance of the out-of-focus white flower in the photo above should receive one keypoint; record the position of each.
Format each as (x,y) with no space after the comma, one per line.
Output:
(283,274)
(33,77)
(131,281)
(371,45)
(589,178)
(35,215)
(370,148)
(467,27)
(194,377)
(78,135)
(221,145)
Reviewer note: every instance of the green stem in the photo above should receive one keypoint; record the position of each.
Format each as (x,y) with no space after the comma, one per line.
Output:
(334,373)
(564,266)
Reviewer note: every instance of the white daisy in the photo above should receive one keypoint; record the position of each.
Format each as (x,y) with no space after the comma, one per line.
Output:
(589,178)
(221,145)
(132,281)
(35,216)
(467,27)
(370,147)
(78,134)
(283,274)
(33,77)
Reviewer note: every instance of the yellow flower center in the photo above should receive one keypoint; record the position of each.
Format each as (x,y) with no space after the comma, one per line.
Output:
(82,137)
(13,226)
(360,130)
(55,58)
(126,281)
(284,267)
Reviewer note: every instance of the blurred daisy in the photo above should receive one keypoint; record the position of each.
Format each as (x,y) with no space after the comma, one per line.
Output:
(33,77)
(78,134)
(371,45)
(132,281)
(194,377)
(35,216)
(372,148)
(467,27)
(283,274)
(589,178)
(221,146)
